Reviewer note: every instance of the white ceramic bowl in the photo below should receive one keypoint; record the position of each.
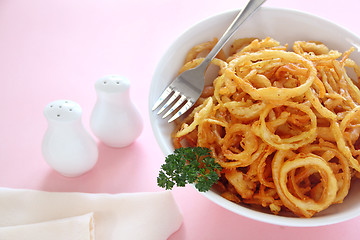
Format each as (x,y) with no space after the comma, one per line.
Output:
(285,26)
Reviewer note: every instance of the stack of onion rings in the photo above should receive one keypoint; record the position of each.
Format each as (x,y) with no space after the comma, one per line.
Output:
(284,125)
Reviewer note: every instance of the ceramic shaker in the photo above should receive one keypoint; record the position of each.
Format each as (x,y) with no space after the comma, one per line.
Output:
(67,147)
(114,119)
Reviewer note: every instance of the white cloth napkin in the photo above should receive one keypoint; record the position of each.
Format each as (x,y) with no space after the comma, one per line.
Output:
(73,228)
(127,216)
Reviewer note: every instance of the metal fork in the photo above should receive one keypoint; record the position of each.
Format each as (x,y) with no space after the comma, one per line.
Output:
(188,86)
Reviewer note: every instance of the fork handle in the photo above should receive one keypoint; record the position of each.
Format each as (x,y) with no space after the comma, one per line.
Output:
(249,9)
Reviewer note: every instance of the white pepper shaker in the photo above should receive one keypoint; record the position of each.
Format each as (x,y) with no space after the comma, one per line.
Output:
(114,119)
(67,147)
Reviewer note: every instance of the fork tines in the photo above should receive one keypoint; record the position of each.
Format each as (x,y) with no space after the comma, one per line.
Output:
(174,95)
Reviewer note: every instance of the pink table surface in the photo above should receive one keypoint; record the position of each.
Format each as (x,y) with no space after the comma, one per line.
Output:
(57,49)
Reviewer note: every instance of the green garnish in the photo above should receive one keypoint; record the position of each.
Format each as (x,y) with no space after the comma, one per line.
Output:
(189,165)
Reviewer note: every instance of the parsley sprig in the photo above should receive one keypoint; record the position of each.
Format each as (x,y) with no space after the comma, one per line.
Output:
(189,165)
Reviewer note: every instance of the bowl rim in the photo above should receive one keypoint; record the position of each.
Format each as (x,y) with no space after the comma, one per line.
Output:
(214,197)
(280,220)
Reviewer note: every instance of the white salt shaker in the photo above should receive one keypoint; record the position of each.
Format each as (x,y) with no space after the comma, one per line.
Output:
(67,147)
(114,119)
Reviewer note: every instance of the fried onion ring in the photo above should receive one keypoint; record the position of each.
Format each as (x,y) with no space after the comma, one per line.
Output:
(271,93)
(261,129)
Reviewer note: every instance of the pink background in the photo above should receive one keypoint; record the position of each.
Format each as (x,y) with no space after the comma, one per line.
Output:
(57,49)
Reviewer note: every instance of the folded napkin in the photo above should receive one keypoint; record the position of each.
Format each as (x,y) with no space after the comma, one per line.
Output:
(73,228)
(127,216)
